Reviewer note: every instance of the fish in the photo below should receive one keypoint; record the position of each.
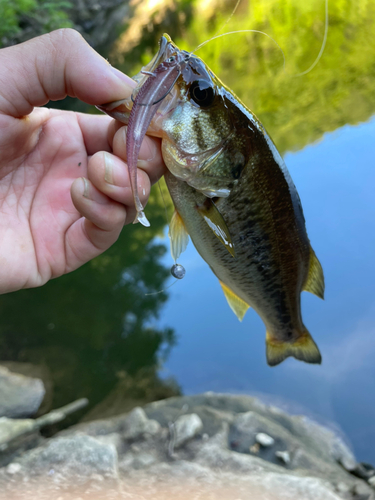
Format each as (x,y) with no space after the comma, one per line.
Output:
(232,193)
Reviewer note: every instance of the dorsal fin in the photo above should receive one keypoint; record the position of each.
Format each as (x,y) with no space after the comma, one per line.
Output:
(178,235)
(238,306)
(217,224)
(315,279)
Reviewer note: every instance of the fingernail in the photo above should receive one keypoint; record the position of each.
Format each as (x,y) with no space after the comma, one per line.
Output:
(124,78)
(108,175)
(86,188)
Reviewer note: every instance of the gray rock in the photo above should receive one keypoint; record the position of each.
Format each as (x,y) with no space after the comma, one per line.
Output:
(283,456)
(362,491)
(13,468)
(137,425)
(371,481)
(20,396)
(343,488)
(72,457)
(289,487)
(264,439)
(11,429)
(318,440)
(227,462)
(186,428)
(131,426)
(35,371)
(214,454)
(326,442)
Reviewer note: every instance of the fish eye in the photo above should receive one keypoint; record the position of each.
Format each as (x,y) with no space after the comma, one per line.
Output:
(171,59)
(202,93)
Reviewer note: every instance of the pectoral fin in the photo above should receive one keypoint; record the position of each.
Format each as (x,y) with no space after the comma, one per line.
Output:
(304,349)
(178,235)
(315,279)
(217,224)
(238,306)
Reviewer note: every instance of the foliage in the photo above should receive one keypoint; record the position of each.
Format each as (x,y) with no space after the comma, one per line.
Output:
(296,110)
(17,15)
(10,12)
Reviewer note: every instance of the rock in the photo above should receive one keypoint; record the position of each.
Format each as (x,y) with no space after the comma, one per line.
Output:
(11,429)
(17,435)
(75,457)
(137,425)
(343,488)
(214,454)
(131,426)
(283,456)
(371,481)
(35,371)
(264,439)
(113,439)
(211,418)
(362,470)
(186,428)
(330,444)
(362,491)
(20,396)
(296,488)
(13,468)
(138,449)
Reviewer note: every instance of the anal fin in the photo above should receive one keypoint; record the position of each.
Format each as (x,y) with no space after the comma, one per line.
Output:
(315,279)
(178,235)
(303,348)
(238,306)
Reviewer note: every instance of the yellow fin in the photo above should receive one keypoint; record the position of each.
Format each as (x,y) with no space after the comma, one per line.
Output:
(238,306)
(178,235)
(217,224)
(304,349)
(315,279)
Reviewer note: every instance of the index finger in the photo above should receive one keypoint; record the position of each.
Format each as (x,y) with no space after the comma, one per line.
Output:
(55,65)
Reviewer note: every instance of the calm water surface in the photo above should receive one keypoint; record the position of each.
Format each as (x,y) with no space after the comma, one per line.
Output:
(98,334)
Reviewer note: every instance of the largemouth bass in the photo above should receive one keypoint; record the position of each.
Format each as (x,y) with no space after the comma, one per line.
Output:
(232,194)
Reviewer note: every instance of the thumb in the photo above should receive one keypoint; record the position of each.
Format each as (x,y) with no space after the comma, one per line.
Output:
(55,65)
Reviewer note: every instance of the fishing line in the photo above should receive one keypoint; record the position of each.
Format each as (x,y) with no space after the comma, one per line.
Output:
(177,270)
(326,24)
(242,31)
(161,291)
(229,18)
(323,44)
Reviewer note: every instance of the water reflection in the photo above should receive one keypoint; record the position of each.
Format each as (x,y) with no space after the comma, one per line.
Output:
(96,324)
(295,110)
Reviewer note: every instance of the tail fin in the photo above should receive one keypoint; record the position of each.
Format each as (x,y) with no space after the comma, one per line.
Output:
(304,349)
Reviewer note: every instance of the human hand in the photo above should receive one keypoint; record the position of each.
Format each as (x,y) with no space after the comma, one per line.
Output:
(64,188)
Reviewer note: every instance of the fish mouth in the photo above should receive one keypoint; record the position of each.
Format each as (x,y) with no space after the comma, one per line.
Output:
(119,110)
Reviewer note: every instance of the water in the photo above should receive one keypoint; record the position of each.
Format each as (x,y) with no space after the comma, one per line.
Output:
(98,334)
(335,180)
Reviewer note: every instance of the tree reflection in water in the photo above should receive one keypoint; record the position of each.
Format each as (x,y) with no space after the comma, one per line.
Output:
(93,327)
